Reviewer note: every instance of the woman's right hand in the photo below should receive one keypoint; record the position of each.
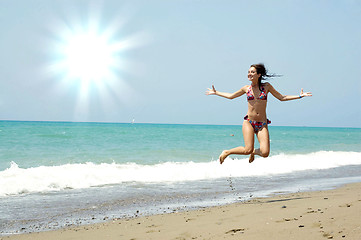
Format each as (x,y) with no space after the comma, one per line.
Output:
(211,91)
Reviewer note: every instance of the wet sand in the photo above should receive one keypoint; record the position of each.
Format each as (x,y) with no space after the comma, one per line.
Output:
(331,214)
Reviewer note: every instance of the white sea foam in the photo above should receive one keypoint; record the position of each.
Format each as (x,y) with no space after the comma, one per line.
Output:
(15,180)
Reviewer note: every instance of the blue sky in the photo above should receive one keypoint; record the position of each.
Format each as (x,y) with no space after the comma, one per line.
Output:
(179,48)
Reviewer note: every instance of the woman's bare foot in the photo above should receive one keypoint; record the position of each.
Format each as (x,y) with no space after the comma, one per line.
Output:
(251,158)
(223,156)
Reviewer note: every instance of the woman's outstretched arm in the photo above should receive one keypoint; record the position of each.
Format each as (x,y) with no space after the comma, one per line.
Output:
(239,93)
(281,97)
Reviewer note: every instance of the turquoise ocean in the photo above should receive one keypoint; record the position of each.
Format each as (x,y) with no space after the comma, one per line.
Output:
(58,174)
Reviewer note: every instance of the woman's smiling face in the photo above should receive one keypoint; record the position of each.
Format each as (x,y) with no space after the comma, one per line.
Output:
(253,75)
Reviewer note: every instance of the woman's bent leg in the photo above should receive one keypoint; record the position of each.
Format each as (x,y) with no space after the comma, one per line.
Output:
(264,143)
(248,136)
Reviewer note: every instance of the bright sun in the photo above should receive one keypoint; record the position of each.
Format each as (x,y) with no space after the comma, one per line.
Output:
(87,53)
(89,57)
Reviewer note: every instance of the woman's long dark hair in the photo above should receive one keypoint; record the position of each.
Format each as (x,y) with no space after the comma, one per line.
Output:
(261,69)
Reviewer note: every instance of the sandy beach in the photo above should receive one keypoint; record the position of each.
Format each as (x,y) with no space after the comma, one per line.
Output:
(331,214)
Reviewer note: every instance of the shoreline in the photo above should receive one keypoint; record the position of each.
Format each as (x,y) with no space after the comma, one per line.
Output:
(328,214)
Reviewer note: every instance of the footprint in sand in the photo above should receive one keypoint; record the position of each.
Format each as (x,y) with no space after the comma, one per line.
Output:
(241,230)
(346,205)
(327,235)
(189,219)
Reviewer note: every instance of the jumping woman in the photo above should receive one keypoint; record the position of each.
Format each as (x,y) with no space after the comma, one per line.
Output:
(255,122)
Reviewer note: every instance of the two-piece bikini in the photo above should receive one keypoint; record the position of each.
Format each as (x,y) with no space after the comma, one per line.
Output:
(262,96)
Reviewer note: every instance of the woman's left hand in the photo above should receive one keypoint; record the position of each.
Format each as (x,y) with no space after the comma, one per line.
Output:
(307,94)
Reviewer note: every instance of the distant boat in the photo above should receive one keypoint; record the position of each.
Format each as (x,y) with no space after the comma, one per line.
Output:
(133,121)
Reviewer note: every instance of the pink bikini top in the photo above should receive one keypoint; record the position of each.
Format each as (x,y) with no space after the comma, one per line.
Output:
(262,95)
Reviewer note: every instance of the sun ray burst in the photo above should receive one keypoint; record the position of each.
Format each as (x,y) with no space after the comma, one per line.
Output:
(89,56)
